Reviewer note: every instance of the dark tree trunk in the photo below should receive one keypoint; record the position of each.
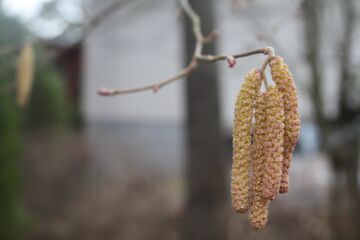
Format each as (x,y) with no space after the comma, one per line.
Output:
(344,192)
(335,195)
(206,209)
(351,173)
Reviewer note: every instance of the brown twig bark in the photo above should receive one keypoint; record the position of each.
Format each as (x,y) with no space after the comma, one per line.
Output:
(197,57)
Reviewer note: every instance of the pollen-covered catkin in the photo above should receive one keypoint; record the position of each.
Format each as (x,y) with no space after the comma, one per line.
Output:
(286,85)
(240,179)
(274,140)
(259,204)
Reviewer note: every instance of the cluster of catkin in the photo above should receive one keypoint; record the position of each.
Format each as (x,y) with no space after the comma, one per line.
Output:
(266,129)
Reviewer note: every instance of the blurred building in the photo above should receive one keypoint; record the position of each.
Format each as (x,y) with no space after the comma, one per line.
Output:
(141,44)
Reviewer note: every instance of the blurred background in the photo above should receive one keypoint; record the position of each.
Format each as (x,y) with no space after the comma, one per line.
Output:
(74,165)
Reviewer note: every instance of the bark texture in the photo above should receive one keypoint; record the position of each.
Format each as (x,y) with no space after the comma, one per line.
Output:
(206,208)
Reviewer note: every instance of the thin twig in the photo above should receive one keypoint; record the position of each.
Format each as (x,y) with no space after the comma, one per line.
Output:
(212,58)
(198,56)
(156,87)
(105,13)
(211,37)
(85,11)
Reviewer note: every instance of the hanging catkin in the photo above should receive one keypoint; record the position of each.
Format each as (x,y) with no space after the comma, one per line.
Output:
(285,83)
(274,140)
(25,72)
(240,179)
(259,204)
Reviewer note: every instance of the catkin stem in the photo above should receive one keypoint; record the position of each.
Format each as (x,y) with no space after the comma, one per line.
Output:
(265,81)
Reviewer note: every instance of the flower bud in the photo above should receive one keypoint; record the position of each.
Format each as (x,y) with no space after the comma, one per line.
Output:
(231,61)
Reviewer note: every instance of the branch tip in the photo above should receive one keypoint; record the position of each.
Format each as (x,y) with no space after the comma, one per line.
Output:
(197,56)
(269,51)
(104,91)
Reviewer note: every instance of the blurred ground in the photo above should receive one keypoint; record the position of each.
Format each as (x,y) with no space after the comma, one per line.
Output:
(110,195)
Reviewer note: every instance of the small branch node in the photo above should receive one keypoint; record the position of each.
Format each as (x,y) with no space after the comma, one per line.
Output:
(231,61)
(211,37)
(197,57)
(156,88)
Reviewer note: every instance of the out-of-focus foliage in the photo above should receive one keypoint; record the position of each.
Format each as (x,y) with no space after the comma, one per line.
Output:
(70,26)
(47,108)
(48,105)
(12,215)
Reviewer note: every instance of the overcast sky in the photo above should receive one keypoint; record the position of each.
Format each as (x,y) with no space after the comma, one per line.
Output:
(27,10)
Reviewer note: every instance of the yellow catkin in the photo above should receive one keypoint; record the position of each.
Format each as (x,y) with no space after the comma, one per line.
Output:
(286,85)
(25,72)
(259,204)
(240,179)
(274,140)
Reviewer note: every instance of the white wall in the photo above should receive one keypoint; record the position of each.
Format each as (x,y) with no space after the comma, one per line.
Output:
(136,47)
(142,44)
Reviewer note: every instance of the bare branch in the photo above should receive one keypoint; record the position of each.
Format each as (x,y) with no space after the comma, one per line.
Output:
(345,59)
(184,72)
(154,87)
(311,9)
(197,57)
(263,67)
(215,58)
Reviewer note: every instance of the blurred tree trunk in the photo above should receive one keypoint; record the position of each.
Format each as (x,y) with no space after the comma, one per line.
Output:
(345,165)
(206,209)
(340,135)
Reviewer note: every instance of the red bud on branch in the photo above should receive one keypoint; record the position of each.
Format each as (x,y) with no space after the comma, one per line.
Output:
(231,61)
(156,88)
